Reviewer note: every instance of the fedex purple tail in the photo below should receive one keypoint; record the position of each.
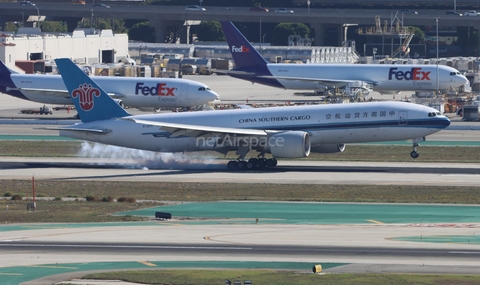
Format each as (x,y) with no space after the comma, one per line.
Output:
(7,85)
(249,63)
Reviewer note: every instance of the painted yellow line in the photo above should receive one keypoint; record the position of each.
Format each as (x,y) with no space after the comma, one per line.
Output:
(375,222)
(147,263)
(11,274)
(44,266)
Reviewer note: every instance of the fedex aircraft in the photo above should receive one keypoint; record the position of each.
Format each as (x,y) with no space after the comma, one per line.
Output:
(284,132)
(384,78)
(128,91)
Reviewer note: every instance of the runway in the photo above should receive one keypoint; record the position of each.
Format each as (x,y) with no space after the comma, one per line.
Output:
(209,171)
(366,247)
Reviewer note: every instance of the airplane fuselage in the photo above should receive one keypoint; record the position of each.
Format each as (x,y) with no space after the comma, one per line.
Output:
(381,77)
(133,91)
(326,124)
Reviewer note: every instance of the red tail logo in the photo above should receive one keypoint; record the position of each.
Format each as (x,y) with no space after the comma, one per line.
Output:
(85,93)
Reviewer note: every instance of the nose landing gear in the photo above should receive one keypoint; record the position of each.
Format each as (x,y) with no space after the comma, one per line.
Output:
(414,153)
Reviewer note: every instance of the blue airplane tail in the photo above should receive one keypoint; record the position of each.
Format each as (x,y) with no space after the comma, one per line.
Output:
(91,101)
(243,53)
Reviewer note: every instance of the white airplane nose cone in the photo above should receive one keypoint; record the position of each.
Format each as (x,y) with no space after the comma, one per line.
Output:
(215,96)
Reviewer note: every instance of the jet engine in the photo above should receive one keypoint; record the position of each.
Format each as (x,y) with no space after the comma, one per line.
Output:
(293,144)
(328,148)
(119,102)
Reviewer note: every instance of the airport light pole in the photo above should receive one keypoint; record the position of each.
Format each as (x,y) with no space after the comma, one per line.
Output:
(23,3)
(91,21)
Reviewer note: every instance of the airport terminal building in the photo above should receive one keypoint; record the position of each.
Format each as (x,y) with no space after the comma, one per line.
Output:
(84,46)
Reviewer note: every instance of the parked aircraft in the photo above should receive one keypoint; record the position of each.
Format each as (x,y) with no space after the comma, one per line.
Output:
(284,132)
(128,91)
(384,78)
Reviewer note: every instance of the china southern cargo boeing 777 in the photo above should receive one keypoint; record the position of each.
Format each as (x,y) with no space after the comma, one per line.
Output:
(384,78)
(284,132)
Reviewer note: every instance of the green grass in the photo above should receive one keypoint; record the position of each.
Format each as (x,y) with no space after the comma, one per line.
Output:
(208,277)
(80,211)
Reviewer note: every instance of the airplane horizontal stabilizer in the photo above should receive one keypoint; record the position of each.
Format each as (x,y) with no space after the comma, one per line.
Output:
(89,130)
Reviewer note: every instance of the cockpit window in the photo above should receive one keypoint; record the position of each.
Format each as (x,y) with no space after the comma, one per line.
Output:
(454,73)
(203,88)
(434,114)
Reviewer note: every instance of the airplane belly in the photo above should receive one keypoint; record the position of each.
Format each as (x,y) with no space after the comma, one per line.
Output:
(47,98)
(300,85)
(364,135)
(151,101)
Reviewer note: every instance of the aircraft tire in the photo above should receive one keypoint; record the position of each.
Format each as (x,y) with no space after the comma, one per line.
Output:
(232,165)
(271,162)
(414,154)
(241,165)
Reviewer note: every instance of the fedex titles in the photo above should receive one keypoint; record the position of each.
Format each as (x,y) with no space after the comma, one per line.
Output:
(240,49)
(160,89)
(414,74)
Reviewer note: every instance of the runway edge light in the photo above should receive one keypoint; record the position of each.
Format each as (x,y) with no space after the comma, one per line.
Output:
(317,268)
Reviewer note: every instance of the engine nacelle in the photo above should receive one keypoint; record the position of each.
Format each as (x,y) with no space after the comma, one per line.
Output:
(119,102)
(294,144)
(328,148)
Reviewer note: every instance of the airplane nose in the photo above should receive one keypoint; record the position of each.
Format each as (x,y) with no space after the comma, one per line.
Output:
(445,122)
(214,96)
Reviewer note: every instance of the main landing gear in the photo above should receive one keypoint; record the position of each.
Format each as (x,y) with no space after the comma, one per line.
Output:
(252,163)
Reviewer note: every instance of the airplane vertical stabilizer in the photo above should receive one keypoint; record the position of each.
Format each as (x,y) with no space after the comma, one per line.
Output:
(91,101)
(243,53)
(4,70)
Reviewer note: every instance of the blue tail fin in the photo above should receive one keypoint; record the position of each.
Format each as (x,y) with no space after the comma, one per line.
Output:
(6,83)
(91,101)
(244,54)
(4,70)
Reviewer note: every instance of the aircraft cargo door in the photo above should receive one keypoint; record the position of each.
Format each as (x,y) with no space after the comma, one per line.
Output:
(402,118)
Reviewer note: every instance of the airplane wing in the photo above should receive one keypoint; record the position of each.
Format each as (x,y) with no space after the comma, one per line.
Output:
(177,130)
(57,92)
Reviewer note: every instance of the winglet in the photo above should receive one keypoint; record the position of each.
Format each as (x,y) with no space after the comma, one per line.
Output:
(243,53)
(91,101)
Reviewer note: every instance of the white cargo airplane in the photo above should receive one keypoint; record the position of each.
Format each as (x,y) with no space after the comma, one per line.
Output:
(284,132)
(127,91)
(384,78)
